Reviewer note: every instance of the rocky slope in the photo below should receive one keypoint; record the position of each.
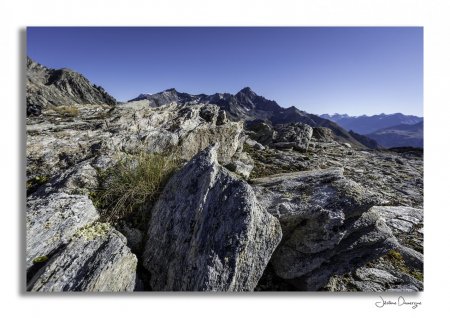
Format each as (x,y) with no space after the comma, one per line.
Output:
(256,204)
(49,88)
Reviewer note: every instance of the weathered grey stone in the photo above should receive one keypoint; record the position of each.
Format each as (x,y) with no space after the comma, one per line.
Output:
(261,132)
(96,260)
(56,144)
(208,232)
(52,221)
(400,218)
(292,135)
(371,239)
(243,165)
(322,134)
(254,144)
(283,145)
(325,227)
(377,276)
(190,128)
(413,259)
(134,236)
(373,279)
(312,205)
(79,179)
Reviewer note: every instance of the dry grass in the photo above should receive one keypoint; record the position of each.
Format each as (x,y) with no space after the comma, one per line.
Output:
(67,111)
(129,188)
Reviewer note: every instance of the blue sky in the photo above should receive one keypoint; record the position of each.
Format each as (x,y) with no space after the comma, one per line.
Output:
(319,70)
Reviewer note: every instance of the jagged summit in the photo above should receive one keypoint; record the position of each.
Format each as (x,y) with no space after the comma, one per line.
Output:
(247,91)
(56,87)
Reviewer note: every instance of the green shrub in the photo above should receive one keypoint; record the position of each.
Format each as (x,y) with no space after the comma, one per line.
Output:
(128,189)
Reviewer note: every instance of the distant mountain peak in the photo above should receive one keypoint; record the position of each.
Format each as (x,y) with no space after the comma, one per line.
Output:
(247,91)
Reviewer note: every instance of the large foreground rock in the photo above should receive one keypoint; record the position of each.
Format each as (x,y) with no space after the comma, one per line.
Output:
(326,226)
(208,232)
(52,221)
(97,260)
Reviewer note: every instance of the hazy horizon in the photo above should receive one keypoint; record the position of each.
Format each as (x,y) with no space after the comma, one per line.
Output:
(357,71)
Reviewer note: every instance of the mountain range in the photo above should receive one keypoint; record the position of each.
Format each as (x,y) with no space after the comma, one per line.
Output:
(248,106)
(48,87)
(368,124)
(388,130)
(400,136)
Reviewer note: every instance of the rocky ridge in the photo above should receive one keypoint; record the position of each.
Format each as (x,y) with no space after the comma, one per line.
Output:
(255,204)
(248,106)
(60,87)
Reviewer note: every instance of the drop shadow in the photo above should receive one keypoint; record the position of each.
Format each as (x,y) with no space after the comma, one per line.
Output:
(22,160)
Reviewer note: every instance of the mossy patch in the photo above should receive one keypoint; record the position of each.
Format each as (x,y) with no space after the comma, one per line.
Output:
(398,262)
(40,259)
(37,181)
(93,231)
(417,275)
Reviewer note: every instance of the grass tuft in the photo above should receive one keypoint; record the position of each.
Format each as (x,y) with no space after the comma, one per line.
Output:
(67,111)
(129,188)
